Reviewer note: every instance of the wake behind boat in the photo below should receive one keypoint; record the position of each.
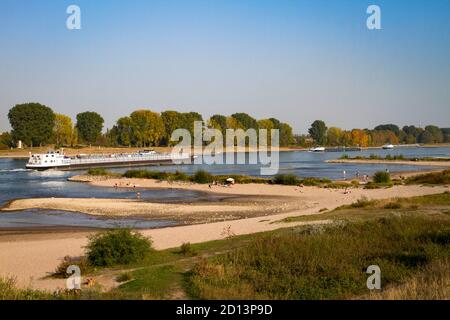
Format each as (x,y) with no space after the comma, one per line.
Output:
(57,160)
(317,149)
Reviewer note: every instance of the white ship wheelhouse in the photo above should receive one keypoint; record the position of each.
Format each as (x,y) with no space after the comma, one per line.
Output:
(48,160)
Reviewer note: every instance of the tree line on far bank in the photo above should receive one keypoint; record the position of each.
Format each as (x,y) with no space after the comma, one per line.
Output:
(320,134)
(37,125)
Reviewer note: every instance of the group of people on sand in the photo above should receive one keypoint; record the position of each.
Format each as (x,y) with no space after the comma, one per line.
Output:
(128,185)
(227,183)
(364,177)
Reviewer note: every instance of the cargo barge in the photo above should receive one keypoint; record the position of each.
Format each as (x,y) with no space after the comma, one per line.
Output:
(57,160)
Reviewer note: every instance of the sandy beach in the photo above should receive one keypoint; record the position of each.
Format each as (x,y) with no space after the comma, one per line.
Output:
(30,257)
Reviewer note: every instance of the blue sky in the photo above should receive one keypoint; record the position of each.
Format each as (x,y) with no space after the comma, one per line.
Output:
(294,60)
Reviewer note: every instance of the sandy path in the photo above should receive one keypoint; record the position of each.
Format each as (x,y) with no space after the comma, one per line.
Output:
(30,259)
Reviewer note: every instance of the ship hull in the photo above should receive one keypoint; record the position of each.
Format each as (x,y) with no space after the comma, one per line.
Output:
(118,164)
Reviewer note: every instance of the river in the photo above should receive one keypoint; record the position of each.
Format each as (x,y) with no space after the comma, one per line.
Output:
(17,182)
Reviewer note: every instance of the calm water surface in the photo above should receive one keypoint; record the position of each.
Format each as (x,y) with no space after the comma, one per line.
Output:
(16,183)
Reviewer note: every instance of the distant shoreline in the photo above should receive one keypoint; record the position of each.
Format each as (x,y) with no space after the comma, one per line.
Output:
(24,153)
(394,162)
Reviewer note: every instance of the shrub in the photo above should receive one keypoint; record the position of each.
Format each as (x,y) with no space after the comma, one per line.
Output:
(98,172)
(393,205)
(179,176)
(9,291)
(202,176)
(286,179)
(314,181)
(118,246)
(61,269)
(187,250)
(381,177)
(430,178)
(123,277)
(361,203)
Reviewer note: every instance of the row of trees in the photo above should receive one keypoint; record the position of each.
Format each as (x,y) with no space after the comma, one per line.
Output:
(35,124)
(382,134)
(146,128)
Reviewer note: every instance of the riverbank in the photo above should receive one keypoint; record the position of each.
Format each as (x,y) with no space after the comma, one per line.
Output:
(24,153)
(32,257)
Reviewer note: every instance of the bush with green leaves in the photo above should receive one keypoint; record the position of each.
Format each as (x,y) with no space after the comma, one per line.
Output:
(117,247)
(81,262)
(98,172)
(381,177)
(286,179)
(202,176)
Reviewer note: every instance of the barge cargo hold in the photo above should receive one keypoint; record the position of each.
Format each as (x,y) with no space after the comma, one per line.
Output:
(57,160)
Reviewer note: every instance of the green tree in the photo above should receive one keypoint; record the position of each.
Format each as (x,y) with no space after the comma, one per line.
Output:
(218,121)
(89,126)
(112,137)
(188,121)
(6,141)
(412,131)
(286,135)
(269,126)
(426,137)
(246,122)
(391,127)
(124,131)
(438,137)
(63,130)
(276,123)
(32,123)
(318,131)
(148,127)
(172,120)
(334,136)
(74,140)
(446,134)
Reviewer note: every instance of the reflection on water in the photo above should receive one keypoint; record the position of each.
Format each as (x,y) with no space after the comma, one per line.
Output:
(17,182)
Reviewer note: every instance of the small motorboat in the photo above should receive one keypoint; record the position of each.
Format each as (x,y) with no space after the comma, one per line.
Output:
(317,149)
(388,146)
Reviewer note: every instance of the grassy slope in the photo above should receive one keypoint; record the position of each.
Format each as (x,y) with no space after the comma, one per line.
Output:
(259,266)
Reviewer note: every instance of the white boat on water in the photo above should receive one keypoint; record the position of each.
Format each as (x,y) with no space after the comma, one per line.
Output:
(317,149)
(57,160)
(388,146)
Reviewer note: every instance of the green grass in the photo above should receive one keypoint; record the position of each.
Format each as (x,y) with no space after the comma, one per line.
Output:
(9,291)
(434,178)
(369,209)
(403,236)
(326,262)
(155,282)
(203,177)
(99,172)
